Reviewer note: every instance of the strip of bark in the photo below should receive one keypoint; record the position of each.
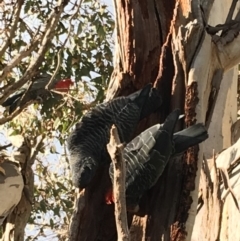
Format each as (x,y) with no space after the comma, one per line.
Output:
(115,151)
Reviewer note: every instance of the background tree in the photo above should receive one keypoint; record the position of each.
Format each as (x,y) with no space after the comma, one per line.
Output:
(165,43)
(171,45)
(66,39)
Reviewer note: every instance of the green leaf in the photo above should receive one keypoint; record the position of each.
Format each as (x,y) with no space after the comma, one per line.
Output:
(51,223)
(43,206)
(56,210)
(61,186)
(79,29)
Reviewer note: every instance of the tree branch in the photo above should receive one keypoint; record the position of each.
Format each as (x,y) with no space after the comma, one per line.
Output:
(115,149)
(36,149)
(15,113)
(16,16)
(50,26)
(24,53)
(231,11)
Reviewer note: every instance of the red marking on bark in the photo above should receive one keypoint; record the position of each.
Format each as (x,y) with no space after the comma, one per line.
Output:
(109,198)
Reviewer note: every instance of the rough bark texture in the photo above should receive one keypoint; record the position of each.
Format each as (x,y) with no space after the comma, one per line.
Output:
(165,43)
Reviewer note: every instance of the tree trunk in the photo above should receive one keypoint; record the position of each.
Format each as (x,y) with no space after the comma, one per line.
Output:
(165,43)
(16,221)
(25,155)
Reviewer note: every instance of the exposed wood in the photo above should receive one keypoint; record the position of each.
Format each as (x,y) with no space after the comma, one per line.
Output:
(142,28)
(212,201)
(115,149)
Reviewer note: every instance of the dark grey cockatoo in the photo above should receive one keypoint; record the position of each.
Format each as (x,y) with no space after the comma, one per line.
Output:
(87,143)
(11,186)
(37,91)
(147,155)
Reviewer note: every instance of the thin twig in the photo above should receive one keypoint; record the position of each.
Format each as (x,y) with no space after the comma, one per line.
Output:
(21,108)
(37,233)
(233,165)
(92,104)
(36,150)
(28,29)
(5,146)
(115,149)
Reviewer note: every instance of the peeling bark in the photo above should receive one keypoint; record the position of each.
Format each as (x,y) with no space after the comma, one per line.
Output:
(218,215)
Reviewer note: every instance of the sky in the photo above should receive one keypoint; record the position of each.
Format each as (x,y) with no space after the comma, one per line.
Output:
(110,5)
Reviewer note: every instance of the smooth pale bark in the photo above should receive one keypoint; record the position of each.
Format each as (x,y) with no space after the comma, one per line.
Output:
(219,130)
(224,116)
(225,113)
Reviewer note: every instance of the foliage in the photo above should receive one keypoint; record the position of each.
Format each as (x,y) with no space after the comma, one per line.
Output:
(80,47)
